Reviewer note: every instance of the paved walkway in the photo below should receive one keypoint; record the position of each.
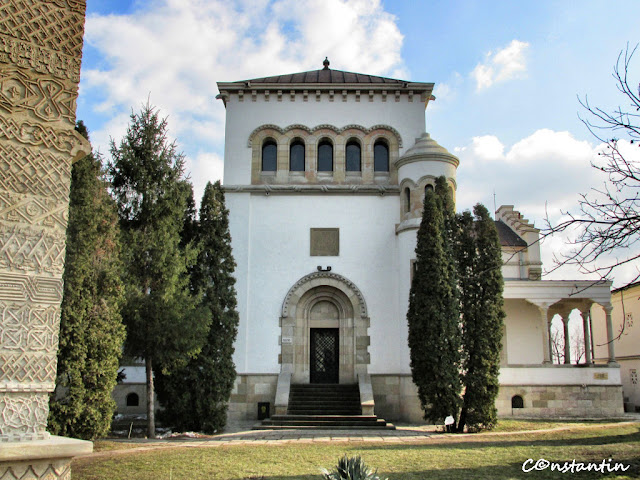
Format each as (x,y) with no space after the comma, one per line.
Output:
(240,433)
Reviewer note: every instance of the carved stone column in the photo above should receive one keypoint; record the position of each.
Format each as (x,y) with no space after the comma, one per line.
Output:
(546,337)
(567,340)
(586,314)
(40,54)
(611,348)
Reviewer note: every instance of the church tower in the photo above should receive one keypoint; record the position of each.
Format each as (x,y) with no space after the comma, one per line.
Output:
(418,169)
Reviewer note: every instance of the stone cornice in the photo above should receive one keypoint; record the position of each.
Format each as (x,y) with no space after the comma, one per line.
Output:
(431,157)
(315,189)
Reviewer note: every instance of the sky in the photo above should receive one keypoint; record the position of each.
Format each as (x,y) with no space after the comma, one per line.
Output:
(508,78)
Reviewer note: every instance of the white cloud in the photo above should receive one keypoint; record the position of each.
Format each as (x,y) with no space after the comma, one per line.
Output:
(205,167)
(505,64)
(174,51)
(487,147)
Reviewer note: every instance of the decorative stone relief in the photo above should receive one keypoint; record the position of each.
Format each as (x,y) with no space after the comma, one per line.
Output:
(29,327)
(33,211)
(30,289)
(28,367)
(53,24)
(39,135)
(21,249)
(40,54)
(45,99)
(37,470)
(23,416)
(34,171)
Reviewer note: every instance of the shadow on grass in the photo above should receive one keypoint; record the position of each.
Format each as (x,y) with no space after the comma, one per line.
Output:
(505,472)
(593,440)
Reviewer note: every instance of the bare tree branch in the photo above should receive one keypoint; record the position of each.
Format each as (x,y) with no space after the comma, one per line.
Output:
(606,226)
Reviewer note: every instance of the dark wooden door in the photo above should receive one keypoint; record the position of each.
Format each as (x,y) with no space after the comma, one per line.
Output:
(324,359)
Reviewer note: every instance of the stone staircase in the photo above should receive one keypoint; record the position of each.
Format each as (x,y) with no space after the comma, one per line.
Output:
(324,406)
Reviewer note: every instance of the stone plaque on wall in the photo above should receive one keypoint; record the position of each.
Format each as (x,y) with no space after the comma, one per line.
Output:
(325,242)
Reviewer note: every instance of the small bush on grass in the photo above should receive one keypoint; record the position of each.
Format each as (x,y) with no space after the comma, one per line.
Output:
(352,468)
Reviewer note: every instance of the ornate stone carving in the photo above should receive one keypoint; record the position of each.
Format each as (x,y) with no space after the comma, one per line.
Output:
(23,416)
(42,60)
(30,289)
(46,99)
(57,25)
(34,171)
(33,211)
(29,328)
(38,135)
(27,367)
(37,470)
(24,250)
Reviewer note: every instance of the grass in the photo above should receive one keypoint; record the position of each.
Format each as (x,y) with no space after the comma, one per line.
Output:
(483,456)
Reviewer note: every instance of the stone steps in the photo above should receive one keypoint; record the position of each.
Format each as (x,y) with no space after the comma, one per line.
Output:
(324,407)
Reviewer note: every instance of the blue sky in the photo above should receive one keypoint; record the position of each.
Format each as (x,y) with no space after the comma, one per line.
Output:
(507,77)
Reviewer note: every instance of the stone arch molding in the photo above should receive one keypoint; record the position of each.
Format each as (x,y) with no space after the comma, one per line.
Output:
(298,318)
(336,130)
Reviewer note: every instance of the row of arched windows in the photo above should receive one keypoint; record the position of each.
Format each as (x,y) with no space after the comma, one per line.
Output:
(353,156)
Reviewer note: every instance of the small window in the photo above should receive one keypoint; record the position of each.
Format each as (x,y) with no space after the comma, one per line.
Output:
(407,200)
(133,400)
(325,156)
(296,156)
(353,156)
(380,156)
(428,188)
(269,156)
(517,402)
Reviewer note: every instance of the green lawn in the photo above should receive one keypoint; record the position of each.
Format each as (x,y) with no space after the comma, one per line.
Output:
(484,456)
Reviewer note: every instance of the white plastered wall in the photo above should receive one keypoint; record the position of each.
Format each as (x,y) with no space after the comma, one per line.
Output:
(524,336)
(278,256)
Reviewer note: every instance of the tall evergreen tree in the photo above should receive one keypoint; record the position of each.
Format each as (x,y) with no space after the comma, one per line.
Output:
(165,322)
(434,315)
(91,330)
(195,397)
(482,306)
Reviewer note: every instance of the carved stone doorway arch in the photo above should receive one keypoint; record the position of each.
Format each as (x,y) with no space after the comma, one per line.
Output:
(324,300)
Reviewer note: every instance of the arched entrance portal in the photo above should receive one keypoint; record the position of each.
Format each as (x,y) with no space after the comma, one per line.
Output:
(324,330)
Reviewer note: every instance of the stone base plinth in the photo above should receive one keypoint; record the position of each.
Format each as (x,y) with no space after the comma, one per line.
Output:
(547,401)
(248,390)
(40,459)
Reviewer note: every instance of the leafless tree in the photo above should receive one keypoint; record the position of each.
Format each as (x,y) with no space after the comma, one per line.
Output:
(557,345)
(607,223)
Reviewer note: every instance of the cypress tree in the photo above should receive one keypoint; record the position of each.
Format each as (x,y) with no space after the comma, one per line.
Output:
(482,305)
(196,397)
(165,321)
(91,330)
(433,315)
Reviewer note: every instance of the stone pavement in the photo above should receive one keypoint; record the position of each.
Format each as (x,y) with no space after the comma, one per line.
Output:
(240,433)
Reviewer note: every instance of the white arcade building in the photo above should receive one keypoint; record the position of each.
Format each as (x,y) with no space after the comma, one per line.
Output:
(325,172)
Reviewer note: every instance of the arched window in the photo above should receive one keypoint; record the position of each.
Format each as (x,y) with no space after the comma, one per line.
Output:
(296,156)
(380,156)
(353,156)
(325,156)
(269,156)
(407,200)
(133,400)
(428,188)
(517,402)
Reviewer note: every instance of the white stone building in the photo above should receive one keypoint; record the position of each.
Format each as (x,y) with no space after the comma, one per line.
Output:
(325,172)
